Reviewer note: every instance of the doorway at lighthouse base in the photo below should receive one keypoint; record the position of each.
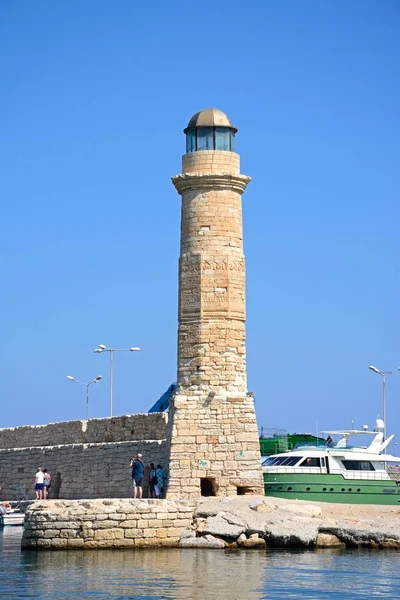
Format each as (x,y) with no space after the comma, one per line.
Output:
(213,447)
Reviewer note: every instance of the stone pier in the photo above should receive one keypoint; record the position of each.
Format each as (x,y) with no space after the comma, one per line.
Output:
(248,522)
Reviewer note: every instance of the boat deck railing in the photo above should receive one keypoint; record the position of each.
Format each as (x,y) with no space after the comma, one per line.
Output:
(365,475)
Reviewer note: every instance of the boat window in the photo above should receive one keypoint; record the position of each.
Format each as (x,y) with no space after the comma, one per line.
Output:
(273,461)
(323,462)
(290,461)
(280,460)
(268,462)
(311,461)
(358,465)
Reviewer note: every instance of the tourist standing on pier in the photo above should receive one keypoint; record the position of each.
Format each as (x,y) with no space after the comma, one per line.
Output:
(159,487)
(39,478)
(152,480)
(46,483)
(137,475)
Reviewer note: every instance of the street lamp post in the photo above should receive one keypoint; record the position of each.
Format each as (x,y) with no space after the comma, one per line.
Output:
(384,374)
(103,348)
(87,389)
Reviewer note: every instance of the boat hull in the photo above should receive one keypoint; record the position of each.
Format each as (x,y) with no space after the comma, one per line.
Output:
(331,488)
(12,519)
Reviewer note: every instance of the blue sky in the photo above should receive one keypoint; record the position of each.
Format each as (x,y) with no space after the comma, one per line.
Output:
(95,96)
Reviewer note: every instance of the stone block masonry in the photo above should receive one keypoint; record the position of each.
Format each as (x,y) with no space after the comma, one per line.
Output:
(241,522)
(78,470)
(106,524)
(213,446)
(113,429)
(87,459)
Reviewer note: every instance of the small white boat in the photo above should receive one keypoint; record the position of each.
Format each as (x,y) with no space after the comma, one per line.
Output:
(11,516)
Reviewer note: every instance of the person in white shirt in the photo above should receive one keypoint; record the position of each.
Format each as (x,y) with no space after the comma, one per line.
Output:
(39,479)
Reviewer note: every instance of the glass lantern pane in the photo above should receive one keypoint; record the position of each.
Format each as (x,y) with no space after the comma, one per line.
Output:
(191,141)
(232,136)
(205,138)
(222,138)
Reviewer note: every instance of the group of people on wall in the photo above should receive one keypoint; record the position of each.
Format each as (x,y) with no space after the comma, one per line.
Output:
(156,480)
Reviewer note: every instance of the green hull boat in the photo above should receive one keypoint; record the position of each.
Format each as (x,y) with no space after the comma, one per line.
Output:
(337,471)
(331,488)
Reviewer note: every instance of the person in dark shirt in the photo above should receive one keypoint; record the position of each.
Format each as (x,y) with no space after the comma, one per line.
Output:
(137,475)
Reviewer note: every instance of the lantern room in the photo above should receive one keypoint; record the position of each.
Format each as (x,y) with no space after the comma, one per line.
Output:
(210,129)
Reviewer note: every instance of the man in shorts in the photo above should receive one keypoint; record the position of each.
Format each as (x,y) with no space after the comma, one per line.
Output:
(39,485)
(137,475)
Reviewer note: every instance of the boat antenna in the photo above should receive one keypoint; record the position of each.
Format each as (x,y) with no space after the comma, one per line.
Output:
(352,424)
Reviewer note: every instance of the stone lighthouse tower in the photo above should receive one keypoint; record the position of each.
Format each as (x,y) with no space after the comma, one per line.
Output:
(213,435)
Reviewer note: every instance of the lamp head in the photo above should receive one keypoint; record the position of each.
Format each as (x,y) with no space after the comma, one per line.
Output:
(98,350)
(98,378)
(70,378)
(102,346)
(134,349)
(374,369)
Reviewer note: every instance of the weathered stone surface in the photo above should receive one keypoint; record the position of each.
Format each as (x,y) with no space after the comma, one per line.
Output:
(93,524)
(212,431)
(201,542)
(292,532)
(233,522)
(307,510)
(265,508)
(254,541)
(327,540)
(108,534)
(217,541)
(221,527)
(147,426)
(231,518)
(365,535)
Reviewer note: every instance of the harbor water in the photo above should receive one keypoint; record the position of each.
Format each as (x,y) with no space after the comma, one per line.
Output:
(174,574)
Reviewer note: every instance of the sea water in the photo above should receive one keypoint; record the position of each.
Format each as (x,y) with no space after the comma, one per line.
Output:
(185,574)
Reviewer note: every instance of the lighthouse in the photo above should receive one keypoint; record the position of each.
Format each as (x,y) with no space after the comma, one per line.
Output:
(213,441)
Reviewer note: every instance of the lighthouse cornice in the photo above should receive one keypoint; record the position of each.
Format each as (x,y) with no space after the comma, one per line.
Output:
(185,182)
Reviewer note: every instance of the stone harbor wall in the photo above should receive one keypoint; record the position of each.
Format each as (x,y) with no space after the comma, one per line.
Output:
(106,523)
(87,459)
(78,470)
(151,426)
(230,522)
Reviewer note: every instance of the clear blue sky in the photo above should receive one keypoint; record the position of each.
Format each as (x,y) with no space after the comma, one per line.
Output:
(94,98)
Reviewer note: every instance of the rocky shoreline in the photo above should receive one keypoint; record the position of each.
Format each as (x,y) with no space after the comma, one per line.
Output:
(223,522)
(271,522)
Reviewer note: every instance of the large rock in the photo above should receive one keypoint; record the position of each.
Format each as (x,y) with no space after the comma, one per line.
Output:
(254,541)
(220,527)
(299,532)
(201,542)
(327,540)
(365,535)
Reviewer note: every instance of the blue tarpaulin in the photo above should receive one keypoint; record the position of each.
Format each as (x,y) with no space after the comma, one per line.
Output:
(162,403)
